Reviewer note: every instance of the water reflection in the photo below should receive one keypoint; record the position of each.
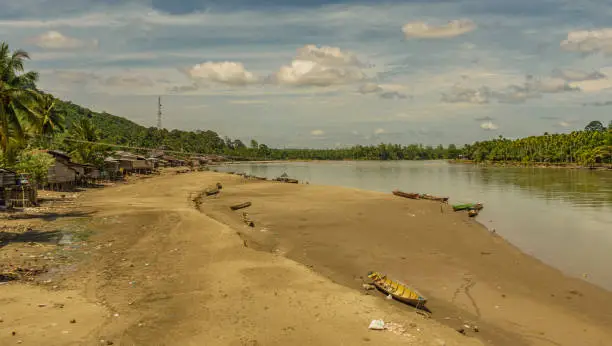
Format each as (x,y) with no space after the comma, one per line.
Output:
(562,216)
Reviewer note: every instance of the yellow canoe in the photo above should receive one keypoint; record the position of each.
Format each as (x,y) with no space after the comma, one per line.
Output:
(398,290)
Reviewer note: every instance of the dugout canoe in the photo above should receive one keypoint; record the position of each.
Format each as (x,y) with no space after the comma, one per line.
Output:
(240,206)
(434,198)
(406,194)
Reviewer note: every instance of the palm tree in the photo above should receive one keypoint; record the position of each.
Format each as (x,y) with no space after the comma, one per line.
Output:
(17,96)
(50,120)
(84,132)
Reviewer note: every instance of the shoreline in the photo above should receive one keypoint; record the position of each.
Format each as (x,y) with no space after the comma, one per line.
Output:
(509,164)
(153,269)
(508,277)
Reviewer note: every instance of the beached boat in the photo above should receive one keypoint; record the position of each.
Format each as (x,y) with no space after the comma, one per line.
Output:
(405,194)
(467,206)
(397,290)
(434,198)
(240,205)
(472,212)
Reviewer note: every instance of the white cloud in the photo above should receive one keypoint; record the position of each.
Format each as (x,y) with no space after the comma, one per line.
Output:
(317,132)
(589,41)
(227,72)
(565,124)
(183,88)
(384,91)
(57,40)
(379,131)
(370,88)
(135,81)
(452,29)
(321,66)
(460,94)
(75,77)
(488,126)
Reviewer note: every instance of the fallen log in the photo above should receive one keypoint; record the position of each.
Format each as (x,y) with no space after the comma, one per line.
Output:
(240,206)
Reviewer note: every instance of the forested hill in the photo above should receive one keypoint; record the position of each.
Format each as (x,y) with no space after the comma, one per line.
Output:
(117,130)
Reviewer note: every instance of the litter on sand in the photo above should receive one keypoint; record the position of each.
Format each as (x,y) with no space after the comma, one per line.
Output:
(377,325)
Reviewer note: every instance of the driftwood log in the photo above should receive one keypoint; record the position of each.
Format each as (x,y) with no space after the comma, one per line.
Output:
(240,206)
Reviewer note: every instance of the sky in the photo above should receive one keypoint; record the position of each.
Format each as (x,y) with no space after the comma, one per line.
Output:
(318,73)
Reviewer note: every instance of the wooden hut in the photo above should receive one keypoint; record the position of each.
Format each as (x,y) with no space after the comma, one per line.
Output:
(63,173)
(7,178)
(111,168)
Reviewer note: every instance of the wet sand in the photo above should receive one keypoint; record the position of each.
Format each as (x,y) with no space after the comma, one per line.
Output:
(471,276)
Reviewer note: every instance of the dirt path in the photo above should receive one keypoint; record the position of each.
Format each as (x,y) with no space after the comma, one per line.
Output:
(159,272)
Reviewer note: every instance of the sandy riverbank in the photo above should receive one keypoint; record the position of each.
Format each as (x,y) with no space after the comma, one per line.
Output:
(470,274)
(142,266)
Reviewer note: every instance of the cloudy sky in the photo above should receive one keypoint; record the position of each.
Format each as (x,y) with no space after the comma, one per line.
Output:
(323,73)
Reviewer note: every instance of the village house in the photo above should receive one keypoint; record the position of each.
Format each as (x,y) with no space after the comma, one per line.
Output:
(63,173)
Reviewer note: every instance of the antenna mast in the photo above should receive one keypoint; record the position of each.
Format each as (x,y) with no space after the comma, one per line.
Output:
(159,113)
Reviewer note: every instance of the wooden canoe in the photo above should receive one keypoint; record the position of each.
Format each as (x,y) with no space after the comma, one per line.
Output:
(434,198)
(211,191)
(240,205)
(405,194)
(397,290)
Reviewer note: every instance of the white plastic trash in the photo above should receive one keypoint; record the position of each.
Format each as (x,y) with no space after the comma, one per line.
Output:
(377,325)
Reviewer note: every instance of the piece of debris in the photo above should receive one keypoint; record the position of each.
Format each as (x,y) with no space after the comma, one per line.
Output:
(461,331)
(73,321)
(377,325)
(475,329)
(368,287)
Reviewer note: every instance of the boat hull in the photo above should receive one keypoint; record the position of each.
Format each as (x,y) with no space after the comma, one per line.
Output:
(399,291)
(406,194)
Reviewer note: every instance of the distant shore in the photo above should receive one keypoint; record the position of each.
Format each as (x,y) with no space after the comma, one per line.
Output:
(602,167)
(599,167)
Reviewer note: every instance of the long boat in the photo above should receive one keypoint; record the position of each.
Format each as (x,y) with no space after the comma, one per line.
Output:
(398,290)
(467,206)
(406,194)
(434,198)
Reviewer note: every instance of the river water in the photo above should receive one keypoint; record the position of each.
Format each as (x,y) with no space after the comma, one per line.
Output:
(561,216)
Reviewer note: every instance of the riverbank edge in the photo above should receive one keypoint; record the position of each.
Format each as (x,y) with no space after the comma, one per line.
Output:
(547,267)
(507,164)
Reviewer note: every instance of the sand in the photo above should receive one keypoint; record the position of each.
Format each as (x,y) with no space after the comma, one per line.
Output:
(147,268)
(472,276)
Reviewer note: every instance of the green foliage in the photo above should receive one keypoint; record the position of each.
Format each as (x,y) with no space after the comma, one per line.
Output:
(595,125)
(586,148)
(17,98)
(36,163)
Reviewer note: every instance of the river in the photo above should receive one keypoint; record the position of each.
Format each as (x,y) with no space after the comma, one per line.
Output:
(561,216)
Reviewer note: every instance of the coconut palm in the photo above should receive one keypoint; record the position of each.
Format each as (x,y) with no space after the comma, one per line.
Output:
(17,96)
(49,120)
